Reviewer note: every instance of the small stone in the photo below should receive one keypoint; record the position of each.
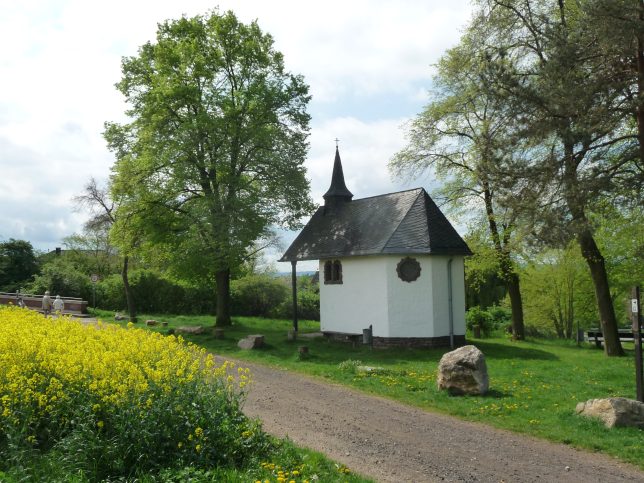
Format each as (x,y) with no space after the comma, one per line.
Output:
(567,468)
(118,316)
(151,322)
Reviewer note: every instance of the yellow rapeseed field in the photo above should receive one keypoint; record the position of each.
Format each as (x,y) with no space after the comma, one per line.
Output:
(46,363)
(64,383)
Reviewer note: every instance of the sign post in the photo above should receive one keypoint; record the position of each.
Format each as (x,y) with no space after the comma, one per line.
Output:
(637,339)
(94,279)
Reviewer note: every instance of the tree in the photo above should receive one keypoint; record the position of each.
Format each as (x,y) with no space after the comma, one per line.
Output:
(558,291)
(17,264)
(545,61)
(103,217)
(213,156)
(463,134)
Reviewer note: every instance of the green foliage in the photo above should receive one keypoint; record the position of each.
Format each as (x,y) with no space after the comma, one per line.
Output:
(214,155)
(269,296)
(475,316)
(92,253)
(558,293)
(258,295)
(155,293)
(18,264)
(350,365)
(489,320)
(62,277)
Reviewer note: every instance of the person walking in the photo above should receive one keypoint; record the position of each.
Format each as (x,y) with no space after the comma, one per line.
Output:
(59,306)
(19,300)
(46,303)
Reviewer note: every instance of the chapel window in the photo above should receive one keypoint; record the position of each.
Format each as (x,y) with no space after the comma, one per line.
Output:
(333,272)
(408,269)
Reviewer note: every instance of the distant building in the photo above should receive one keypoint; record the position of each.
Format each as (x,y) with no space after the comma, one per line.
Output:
(391,261)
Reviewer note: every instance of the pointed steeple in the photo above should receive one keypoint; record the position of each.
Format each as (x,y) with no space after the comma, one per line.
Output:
(338,191)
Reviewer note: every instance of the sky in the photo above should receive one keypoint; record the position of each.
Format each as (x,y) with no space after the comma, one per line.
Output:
(368,65)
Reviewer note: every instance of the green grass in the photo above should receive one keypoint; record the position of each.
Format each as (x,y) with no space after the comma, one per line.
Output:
(534,385)
(296,463)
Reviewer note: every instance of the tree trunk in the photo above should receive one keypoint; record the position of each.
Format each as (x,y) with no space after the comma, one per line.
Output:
(222,277)
(595,261)
(516,303)
(131,308)
(640,86)
(590,252)
(509,276)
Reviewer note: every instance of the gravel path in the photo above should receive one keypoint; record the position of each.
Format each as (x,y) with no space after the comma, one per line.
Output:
(388,441)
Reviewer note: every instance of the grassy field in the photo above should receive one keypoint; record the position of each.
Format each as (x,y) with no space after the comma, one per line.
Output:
(534,385)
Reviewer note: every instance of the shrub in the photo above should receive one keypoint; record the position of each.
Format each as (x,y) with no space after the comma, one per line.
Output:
(500,317)
(477,316)
(61,277)
(112,402)
(258,295)
(154,293)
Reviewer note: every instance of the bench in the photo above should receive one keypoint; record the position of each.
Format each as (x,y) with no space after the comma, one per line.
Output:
(625,335)
(73,306)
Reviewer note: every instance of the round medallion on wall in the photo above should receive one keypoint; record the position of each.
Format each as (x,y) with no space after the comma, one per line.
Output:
(408,269)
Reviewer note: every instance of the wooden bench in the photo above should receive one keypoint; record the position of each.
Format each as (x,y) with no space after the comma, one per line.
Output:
(73,306)
(597,336)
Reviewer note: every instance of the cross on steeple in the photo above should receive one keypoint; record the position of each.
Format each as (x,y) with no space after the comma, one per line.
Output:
(336,142)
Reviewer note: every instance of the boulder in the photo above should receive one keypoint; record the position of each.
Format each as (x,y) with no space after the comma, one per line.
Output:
(118,316)
(614,411)
(151,322)
(463,371)
(190,329)
(251,342)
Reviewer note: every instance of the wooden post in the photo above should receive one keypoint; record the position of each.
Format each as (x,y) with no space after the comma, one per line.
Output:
(294,284)
(637,339)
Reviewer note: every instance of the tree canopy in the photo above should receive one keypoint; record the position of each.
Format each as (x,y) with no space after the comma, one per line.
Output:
(213,156)
(18,264)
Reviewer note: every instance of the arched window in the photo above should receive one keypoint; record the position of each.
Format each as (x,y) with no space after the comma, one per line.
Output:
(333,272)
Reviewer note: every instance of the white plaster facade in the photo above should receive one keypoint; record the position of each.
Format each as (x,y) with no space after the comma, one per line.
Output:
(371,293)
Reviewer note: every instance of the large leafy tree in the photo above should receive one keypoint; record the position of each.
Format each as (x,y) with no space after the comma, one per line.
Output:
(213,155)
(18,264)
(550,67)
(463,134)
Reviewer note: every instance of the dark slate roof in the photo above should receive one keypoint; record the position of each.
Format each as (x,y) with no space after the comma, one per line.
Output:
(338,188)
(406,222)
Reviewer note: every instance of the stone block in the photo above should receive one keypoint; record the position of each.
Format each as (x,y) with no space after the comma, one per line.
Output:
(251,342)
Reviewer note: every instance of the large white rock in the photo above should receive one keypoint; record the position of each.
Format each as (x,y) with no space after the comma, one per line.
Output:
(614,411)
(463,371)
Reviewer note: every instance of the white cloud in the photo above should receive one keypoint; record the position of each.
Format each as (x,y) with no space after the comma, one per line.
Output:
(62,58)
